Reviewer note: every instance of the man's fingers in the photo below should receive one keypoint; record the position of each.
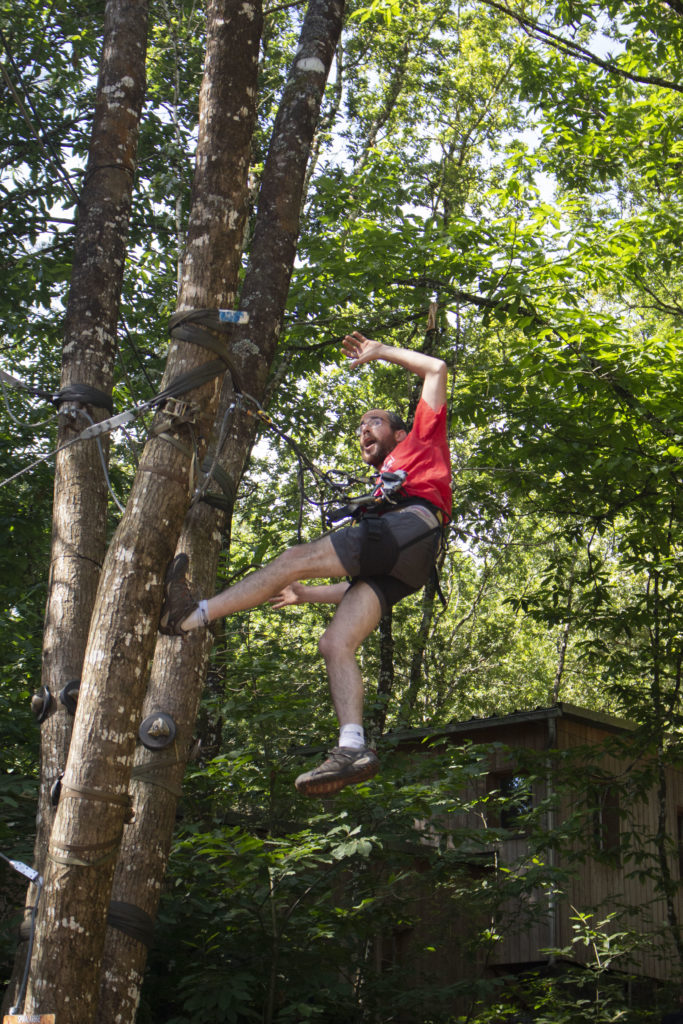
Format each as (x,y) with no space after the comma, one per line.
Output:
(354,341)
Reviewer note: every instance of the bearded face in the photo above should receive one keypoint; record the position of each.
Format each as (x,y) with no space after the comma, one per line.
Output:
(377,437)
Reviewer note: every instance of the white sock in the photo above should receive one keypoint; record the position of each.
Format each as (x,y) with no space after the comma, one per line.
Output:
(199,617)
(352,736)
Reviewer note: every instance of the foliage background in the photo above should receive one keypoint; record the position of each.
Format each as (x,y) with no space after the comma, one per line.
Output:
(522,166)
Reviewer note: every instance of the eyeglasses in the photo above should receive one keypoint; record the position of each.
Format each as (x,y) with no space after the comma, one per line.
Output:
(372,422)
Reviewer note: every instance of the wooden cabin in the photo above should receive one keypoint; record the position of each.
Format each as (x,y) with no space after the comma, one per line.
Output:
(592,782)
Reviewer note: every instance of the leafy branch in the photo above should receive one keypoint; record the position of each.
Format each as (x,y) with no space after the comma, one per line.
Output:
(571,49)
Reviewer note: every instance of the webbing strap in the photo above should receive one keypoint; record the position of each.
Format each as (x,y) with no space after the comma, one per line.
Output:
(88,793)
(184,448)
(71,855)
(125,917)
(132,921)
(197,326)
(215,471)
(201,327)
(193,379)
(145,773)
(82,393)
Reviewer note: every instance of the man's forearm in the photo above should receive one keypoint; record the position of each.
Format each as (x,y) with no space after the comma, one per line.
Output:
(325,593)
(433,372)
(418,363)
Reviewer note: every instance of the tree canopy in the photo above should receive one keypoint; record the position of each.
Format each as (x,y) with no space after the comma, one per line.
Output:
(517,165)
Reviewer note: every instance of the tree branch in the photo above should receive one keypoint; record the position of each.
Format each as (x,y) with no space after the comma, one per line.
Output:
(571,49)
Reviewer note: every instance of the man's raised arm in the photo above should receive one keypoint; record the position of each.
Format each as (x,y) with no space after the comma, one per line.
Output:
(433,371)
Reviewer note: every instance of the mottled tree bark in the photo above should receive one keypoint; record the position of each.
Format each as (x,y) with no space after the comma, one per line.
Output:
(80,489)
(94,806)
(179,666)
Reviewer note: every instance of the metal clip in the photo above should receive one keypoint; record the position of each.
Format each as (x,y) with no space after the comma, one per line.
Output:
(179,411)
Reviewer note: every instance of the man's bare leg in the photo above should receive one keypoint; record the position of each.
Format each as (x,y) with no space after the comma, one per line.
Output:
(356,616)
(180,613)
(317,560)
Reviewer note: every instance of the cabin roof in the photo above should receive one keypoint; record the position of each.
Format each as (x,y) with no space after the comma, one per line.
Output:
(482,724)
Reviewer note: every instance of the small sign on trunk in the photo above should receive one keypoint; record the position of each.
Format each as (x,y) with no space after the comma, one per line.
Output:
(29,1018)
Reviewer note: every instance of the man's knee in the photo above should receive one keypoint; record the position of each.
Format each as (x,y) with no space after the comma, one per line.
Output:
(325,645)
(316,557)
(332,644)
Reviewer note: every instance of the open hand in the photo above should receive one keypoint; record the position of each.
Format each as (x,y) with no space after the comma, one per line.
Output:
(293,594)
(359,349)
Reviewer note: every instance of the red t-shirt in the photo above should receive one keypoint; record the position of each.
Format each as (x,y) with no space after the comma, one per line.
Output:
(425,458)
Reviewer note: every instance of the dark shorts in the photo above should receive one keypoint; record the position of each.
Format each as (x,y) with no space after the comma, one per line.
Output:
(394,553)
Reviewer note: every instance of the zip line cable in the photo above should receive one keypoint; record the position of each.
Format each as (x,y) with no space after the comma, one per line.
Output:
(337,481)
(15,419)
(105,470)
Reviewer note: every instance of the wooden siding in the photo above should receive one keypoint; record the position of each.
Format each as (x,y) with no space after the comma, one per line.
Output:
(599,885)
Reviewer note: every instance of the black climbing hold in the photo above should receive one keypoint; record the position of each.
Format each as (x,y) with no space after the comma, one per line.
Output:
(157,731)
(68,695)
(56,789)
(41,702)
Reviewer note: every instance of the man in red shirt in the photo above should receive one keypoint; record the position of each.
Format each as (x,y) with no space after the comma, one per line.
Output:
(389,554)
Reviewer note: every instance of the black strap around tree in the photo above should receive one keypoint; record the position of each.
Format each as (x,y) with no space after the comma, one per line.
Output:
(125,917)
(132,921)
(200,327)
(82,393)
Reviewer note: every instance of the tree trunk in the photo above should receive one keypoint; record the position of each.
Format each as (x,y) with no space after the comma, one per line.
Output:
(157,775)
(416,676)
(385,682)
(94,805)
(79,517)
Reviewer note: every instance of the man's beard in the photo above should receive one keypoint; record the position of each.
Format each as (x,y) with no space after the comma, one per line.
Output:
(378,455)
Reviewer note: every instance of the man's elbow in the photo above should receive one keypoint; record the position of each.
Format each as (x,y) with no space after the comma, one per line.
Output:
(440,372)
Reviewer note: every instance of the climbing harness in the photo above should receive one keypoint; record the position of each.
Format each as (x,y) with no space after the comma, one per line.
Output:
(388,494)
